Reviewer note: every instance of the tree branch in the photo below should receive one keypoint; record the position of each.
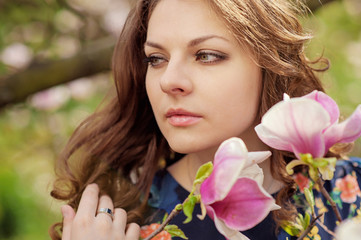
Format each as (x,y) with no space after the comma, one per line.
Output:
(39,76)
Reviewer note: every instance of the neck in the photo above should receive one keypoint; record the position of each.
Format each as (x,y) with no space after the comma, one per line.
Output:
(184,171)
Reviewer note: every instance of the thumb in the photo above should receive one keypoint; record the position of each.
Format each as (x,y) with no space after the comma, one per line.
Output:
(68,216)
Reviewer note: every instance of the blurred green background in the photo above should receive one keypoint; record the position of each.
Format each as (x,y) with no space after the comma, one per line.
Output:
(43,34)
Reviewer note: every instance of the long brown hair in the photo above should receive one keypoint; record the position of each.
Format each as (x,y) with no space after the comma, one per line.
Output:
(120,146)
(272,31)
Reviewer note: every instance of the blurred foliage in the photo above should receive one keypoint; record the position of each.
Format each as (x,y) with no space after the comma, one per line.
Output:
(30,140)
(34,132)
(337,35)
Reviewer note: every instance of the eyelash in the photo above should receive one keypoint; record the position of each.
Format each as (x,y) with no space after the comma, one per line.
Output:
(219,57)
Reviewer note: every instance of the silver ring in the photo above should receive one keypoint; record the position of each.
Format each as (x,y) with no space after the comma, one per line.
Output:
(107,211)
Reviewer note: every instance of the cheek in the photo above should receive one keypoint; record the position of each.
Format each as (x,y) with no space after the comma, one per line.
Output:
(150,87)
(237,93)
(152,94)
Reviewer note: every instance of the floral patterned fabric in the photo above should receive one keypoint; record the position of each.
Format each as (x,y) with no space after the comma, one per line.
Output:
(343,188)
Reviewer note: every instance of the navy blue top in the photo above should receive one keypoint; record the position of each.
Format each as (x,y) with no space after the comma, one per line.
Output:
(166,193)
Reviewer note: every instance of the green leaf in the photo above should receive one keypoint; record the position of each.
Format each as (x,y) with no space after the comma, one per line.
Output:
(188,208)
(310,198)
(291,229)
(306,220)
(203,172)
(174,231)
(313,173)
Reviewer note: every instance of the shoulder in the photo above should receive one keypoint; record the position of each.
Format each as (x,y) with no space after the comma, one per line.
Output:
(344,167)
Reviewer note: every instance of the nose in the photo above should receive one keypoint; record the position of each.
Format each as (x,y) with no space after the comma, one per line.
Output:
(175,79)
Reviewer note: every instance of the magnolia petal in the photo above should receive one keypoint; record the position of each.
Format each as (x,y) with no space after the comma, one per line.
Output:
(253,172)
(251,168)
(327,103)
(327,172)
(347,131)
(286,97)
(257,157)
(246,205)
(350,229)
(230,234)
(295,125)
(229,161)
(275,207)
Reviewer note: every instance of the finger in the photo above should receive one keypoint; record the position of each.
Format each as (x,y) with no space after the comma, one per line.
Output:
(133,232)
(120,219)
(68,216)
(105,202)
(89,201)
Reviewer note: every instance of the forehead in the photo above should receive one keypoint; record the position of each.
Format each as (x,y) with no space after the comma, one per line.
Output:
(179,18)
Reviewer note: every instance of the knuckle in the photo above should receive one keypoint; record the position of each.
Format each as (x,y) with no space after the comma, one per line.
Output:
(120,212)
(103,226)
(82,222)
(119,234)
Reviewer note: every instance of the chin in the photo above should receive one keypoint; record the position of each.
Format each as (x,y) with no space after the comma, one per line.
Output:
(183,148)
(188,146)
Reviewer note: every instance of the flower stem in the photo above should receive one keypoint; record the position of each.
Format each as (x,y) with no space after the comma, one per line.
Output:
(326,229)
(174,213)
(329,199)
(309,228)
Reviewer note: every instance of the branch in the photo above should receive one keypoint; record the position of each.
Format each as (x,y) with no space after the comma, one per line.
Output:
(309,228)
(326,228)
(39,76)
(174,213)
(329,199)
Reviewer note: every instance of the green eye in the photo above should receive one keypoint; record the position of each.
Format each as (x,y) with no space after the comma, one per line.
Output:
(209,57)
(154,60)
(204,57)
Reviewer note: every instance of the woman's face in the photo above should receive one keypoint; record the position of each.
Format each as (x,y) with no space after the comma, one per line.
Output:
(202,85)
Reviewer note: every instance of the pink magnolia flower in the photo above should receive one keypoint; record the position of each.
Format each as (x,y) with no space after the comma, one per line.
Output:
(233,194)
(308,124)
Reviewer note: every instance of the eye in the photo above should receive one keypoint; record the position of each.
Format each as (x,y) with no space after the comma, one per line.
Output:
(209,57)
(154,60)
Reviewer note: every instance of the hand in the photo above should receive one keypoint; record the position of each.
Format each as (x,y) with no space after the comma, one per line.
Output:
(87,224)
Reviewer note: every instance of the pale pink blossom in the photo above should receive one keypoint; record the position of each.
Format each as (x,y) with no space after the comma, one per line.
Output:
(308,124)
(233,194)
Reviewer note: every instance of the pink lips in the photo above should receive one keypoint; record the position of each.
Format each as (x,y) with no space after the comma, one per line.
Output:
(182,118)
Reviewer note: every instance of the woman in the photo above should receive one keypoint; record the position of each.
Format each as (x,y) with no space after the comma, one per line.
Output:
(189,75)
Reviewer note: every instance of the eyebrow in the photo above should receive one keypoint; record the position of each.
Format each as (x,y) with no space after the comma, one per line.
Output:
(192,43)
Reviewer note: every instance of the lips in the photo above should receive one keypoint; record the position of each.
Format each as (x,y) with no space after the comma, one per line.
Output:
(182,118)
